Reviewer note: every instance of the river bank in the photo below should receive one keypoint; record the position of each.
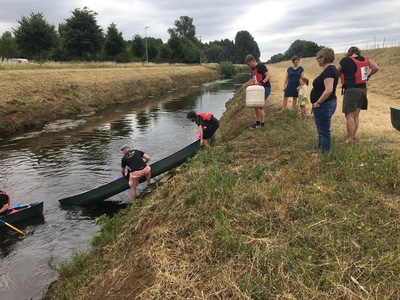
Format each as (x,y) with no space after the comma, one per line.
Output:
(32,97)
(262,216)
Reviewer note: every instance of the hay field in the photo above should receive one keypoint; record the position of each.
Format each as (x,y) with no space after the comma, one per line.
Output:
(30,97)
(383,92)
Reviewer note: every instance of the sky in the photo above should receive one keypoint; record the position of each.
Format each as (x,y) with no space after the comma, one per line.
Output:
(274,24)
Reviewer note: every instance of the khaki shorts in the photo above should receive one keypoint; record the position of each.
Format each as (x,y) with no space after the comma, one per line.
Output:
(353,99)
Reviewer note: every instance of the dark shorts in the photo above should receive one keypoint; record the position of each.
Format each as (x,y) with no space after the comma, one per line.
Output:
(353,99)
(267,92)
(211,128)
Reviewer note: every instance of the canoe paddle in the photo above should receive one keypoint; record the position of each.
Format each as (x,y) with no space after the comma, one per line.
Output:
(16,229)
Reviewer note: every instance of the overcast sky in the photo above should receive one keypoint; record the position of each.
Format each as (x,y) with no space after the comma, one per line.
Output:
(274,24)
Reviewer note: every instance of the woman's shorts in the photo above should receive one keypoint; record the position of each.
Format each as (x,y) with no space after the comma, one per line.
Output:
(211,128)
(267,93)
(353,99)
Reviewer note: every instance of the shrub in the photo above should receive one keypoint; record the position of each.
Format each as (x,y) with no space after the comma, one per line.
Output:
(227,69)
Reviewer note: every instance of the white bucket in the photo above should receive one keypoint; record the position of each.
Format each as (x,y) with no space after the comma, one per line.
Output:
(255,96)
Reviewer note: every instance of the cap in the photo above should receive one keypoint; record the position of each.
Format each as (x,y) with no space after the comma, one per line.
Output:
(125,147)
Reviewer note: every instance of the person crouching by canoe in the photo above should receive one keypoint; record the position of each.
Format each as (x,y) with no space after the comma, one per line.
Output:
(4,202)
(207,125)
(137,167)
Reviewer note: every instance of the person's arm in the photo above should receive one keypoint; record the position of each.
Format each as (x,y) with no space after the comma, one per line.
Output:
(285,81)
(267,77)
(123,172)
(146,157)
(200,130)
(374,68)
(339,68)
(4,208)
(328,83)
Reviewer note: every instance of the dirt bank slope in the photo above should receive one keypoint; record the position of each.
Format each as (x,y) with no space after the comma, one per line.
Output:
(262,216)
(33,97)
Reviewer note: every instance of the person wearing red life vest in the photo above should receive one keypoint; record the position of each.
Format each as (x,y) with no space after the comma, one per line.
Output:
(260,75)
(4,202)
(355,71)
(206,123)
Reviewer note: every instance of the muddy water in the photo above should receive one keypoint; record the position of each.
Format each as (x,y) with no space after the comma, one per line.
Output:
(71,156)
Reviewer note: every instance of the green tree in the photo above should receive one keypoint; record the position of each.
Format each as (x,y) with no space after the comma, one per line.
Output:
(184,28)
(8,45)
(276,58)
(302,48)
(153,46)
(138,46)
(218,51)
(214,53)
(165,53)
(184,50)
(114,43)
(34,36)
(81,35)
(245,44)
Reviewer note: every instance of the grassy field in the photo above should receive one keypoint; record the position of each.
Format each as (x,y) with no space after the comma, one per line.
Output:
(262,216)
(32,95)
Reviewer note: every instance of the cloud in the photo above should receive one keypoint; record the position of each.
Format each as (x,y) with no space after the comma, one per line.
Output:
(274,24)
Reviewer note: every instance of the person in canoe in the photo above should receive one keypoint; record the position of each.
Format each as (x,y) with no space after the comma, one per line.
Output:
(207,125)
(4,202)
(137,163)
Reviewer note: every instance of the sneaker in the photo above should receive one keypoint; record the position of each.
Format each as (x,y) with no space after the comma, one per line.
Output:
(262,124)
(255,125)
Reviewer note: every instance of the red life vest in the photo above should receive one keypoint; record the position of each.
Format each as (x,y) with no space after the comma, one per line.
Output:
(361,75)
(259,76)
(205,116)
(8,197)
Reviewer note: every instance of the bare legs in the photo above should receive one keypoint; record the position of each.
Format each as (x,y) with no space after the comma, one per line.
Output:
(352,122)
(285,103)
(135,183)
(260,115)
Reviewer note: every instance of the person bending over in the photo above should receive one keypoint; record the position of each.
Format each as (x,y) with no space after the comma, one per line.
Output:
(206,123)
(137,167)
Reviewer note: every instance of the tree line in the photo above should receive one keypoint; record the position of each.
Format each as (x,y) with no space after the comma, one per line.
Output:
(80,38)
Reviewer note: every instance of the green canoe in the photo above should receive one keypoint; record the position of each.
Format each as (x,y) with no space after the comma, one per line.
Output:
(22,213)
(395,117)
(117,186)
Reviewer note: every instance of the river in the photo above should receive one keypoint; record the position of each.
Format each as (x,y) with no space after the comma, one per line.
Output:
(71,156)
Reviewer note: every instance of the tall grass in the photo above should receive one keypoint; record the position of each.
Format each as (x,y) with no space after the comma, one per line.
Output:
(295,225)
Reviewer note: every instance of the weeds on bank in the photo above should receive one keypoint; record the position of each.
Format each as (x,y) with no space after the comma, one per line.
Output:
(82,267)
(299,225)
(263,216)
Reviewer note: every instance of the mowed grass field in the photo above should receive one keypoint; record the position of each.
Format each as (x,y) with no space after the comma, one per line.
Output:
(262,216)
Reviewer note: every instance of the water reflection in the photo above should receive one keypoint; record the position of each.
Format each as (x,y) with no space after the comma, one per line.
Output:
(71,156)
(10,237)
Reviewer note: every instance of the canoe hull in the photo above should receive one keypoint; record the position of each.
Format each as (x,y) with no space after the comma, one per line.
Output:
(117,186)
(25,212)
(395,117)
